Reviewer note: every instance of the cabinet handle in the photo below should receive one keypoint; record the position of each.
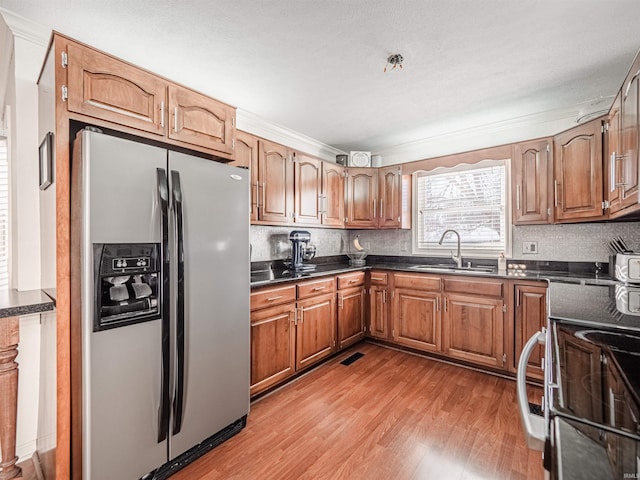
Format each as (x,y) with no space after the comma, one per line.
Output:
(384,296)
(437,304)
(254,200)
(445,304)
(340,300)
(353,280)
(555,193)
(271,299)
(377,279)
(381,210)
(264,196)
(315,289)
(162,114)
(620,181)
(175,119)
(518,299)
(518,197)
(374,209)
(300,315)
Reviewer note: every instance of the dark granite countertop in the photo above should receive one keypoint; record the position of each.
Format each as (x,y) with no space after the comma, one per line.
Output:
(14,303)
(268,273)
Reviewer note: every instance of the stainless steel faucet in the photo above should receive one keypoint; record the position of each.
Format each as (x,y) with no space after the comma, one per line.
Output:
(456,258)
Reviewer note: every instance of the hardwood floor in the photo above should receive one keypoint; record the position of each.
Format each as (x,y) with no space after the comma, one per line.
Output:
(389,415)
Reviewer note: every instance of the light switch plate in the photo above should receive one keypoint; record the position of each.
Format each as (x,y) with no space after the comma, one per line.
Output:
(529,247)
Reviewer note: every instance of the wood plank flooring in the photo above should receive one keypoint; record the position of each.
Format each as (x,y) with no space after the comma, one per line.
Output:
(389,415)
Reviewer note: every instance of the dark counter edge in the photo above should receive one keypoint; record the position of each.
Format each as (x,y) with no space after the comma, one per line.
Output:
(15,303)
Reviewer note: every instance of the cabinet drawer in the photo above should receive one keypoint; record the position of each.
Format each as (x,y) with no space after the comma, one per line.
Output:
(316,287)
(273,296)
(379,278)
(350,280)
(492,288)
(420,282)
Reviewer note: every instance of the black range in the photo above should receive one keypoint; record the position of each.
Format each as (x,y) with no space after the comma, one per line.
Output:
(592,390)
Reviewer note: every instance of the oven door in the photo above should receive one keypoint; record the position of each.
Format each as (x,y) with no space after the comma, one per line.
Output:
(534,426)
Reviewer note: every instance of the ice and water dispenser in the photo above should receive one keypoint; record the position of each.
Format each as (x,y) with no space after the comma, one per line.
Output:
(128,284)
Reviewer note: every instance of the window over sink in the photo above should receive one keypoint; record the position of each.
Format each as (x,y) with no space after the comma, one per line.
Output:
(470,199)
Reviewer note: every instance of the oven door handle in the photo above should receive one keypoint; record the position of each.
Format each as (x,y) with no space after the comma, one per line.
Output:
(533,425)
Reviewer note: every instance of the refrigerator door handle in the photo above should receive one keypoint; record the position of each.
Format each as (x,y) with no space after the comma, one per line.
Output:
(178,399)
(163,410)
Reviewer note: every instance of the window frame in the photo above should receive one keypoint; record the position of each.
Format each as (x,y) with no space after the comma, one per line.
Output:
(445,250)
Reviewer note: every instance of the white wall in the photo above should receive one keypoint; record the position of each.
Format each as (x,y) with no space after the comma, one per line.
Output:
(19,97)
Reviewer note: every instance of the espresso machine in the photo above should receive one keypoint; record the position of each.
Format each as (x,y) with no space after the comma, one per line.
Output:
(301,250)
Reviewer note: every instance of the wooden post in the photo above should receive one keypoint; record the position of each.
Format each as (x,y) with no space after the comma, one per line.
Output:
(9,337)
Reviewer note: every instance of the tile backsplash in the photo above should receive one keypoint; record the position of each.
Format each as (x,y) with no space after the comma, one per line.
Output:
(584,242)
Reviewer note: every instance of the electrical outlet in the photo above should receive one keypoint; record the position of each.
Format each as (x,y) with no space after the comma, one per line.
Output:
(529,247)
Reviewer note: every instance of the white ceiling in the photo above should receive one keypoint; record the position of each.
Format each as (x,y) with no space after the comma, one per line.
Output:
(316,67)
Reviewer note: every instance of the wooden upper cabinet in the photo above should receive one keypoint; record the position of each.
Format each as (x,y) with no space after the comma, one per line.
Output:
(114,92)
(361,197)
(103,87)
(247,156)
(578,173)
(629,125)
(531,163)
(200,120)
(275,177)
(307,189)
(389,197)
(332,194)
(612,158)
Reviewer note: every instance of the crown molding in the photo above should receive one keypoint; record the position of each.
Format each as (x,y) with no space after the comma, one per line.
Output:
(256,125)
(26,29)
(526,127)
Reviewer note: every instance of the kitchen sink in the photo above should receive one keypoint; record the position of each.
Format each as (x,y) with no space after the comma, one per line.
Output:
(453,268)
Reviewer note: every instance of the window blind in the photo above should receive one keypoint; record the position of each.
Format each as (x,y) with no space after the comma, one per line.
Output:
(471,201)
(4,214)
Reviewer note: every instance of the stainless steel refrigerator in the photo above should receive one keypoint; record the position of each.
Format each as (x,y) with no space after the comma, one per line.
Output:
(160,307)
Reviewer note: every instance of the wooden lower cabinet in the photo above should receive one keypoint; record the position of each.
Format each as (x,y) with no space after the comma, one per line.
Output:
(417,319)
(530,317)
(473,329)
(315,329)
(273,342)
(294,334)
(350,316)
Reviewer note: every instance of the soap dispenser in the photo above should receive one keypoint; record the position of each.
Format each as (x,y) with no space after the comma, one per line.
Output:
(502,263)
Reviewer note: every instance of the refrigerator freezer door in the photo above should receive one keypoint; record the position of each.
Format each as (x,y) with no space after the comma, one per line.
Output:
(121,366)
(215,201)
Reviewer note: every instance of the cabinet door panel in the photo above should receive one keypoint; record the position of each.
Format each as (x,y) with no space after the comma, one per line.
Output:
(578,172)
(629,137)
(316,329)
(308,189)
(361,197)
(276,183)
(272,346)
(613,159)
(389,197)
(531,179)
(200,120)
(350,316)
(473,329)
(101,86)
(378,312)
(247,156)
(417,319)
(333,194)
(531,316)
